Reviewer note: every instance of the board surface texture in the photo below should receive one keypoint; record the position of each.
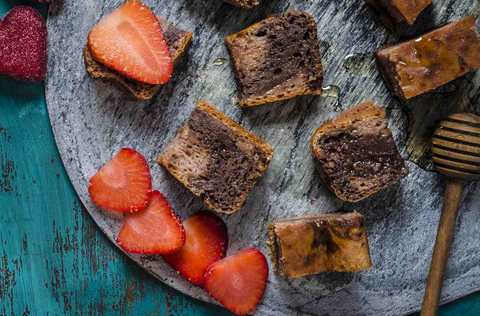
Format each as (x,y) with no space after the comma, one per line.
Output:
(92,120)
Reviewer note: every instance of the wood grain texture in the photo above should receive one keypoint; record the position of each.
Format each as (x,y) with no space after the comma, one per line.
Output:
(92,120)
(459,133)
(443,242)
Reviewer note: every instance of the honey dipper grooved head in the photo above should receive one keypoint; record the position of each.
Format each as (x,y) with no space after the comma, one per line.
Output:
(456,146)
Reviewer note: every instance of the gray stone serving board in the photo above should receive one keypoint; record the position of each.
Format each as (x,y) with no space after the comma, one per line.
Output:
(93,119)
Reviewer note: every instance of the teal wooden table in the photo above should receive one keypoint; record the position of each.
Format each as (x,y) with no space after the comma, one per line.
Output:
(53,258)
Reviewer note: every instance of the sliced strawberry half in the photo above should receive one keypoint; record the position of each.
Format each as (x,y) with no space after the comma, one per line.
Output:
(130,41)
(123,184)
(206,242)
(238,282)
(155,230)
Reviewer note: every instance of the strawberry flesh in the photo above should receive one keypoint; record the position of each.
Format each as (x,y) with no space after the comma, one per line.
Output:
(206,242)
(238,282)
(130,41)
(123,184)
(155,230)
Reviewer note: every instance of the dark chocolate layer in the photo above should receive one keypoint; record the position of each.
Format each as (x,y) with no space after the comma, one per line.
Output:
(231,170)
(276,57)
(360,157)
(216,159)
(291,48)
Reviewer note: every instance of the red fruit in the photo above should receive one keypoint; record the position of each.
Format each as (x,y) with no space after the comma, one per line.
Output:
(23,44)
(123,184)
(206,243)
(155,230)
(238,281)
(130,40)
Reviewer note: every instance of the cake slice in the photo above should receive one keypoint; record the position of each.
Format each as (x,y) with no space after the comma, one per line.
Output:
(277,59)
(401,11)
(247,4)
(178,42)
(332,242)
(425,63)
(357,154)
(216,159)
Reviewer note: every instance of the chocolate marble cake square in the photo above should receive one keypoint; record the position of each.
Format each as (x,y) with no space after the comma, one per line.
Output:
(401,11)
(216,159)
(332,242)
(425,63)
(357,154)
(277,59)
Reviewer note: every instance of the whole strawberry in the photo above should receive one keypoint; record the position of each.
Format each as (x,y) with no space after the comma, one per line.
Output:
(23,44)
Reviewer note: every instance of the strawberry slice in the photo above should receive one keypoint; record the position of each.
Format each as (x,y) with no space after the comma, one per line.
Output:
(155,230)
(206,242)
(238,281)
(123,184)
(130,41)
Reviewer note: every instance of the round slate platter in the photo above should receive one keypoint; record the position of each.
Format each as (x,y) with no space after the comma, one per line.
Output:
(93,119)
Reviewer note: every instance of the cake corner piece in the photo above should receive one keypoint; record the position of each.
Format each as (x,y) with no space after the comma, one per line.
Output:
(216,159)
(288,62)
(356,153)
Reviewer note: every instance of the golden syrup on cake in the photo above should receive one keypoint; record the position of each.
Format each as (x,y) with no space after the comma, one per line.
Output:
(435,55)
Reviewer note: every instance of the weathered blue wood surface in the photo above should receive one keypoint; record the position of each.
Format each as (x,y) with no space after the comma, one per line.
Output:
(53,258)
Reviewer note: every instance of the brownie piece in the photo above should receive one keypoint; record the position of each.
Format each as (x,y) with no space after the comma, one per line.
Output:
(247,4)
(332,242)
(216,159)
(357,154)
(178,42)
(401,11)
(277,59)
(432,60)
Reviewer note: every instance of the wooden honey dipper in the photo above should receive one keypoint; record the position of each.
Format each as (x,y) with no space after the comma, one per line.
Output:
(456,155)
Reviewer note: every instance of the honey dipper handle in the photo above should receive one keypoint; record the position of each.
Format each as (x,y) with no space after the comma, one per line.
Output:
(446,228)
